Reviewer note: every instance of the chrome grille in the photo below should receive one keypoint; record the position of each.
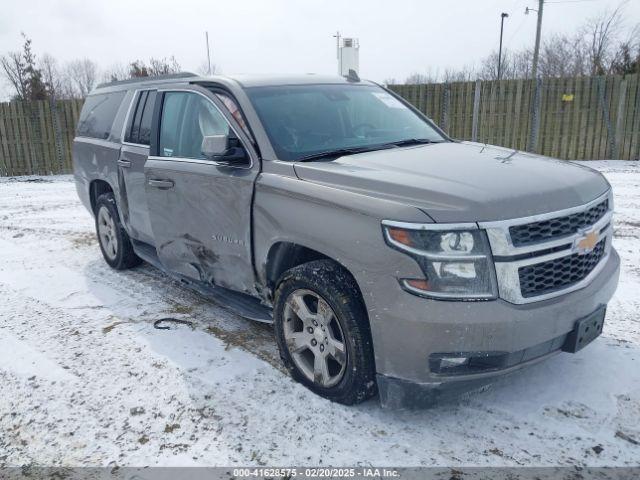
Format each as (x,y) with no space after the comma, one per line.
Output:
(557,227)
(559,273)
(538,257)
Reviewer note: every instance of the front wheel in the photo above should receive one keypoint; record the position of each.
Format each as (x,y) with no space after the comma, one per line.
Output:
(323,332)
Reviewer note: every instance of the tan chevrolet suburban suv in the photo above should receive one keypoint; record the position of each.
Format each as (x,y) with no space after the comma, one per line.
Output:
(390,257)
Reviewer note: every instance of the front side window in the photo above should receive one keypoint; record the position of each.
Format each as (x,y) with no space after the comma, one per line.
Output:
(310,119)
(186,119)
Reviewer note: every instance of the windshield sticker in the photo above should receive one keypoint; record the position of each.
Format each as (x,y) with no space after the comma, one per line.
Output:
(388,100)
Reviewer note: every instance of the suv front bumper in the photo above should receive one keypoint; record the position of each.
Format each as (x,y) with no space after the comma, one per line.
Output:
(510,336)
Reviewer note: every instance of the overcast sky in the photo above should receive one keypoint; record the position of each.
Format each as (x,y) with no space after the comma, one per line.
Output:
(397,37)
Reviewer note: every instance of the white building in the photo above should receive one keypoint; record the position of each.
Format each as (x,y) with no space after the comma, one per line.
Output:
(348,56)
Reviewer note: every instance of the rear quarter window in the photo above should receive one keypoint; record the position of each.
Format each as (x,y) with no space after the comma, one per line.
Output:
(98,113)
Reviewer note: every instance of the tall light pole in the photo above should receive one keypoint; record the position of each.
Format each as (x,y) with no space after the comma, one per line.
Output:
(502,17)
(337,36)
(206,36)
(536,50)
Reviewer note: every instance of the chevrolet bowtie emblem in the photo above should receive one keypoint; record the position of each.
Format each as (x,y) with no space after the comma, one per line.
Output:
(586,243)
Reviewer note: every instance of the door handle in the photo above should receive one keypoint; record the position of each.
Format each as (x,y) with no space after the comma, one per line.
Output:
(124,163)
(161,183)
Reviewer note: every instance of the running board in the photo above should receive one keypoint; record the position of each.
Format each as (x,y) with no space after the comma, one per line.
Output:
(239,303)
(244,305)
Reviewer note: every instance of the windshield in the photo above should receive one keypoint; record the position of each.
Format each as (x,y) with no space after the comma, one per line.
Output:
(306,120)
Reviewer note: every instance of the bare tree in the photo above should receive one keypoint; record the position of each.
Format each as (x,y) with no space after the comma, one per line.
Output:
(562,56)
(514,65)
(20,70)
(115,72)
(418,78)
(163,66)
(463,74)
(156,66)
(626,60)
(601,34)
(140,68)
(57,82)
(203,69)
(50,73)
(82,76)
(13,70)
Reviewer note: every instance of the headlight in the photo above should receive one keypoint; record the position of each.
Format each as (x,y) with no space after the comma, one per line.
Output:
(455,259)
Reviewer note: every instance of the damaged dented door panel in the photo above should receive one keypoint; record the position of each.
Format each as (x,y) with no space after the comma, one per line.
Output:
(200,209)
(133,155)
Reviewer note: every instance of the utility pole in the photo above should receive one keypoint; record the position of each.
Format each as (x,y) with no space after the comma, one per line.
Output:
(206,35)
(337,36)
(502,17)
(536,50)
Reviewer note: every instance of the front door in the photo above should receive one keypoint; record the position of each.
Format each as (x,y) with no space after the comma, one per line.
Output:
(200,210)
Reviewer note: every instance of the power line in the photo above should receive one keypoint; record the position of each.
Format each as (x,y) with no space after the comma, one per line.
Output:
(515,32)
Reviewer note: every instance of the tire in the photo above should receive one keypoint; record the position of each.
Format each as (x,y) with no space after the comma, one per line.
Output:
(113,239)
(349,382)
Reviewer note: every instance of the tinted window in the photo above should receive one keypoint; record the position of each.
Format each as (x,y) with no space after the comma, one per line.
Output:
(137,116)
(139,127)
(98,113)
(186,119)
(145,123)
(304,120)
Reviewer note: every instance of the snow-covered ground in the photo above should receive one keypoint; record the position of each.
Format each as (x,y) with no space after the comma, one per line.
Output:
(85,379)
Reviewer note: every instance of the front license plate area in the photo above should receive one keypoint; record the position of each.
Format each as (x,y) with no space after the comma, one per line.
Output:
(586,330)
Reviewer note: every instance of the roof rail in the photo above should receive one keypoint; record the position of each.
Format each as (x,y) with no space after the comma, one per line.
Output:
(169,76)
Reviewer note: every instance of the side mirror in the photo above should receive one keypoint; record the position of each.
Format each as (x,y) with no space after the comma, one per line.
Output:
(224,149)
(215,146)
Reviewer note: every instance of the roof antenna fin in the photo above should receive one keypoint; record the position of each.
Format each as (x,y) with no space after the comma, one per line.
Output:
(352,76)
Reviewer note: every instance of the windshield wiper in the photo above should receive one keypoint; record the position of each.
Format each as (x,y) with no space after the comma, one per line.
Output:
(340,152)
(412,141)
(333,154)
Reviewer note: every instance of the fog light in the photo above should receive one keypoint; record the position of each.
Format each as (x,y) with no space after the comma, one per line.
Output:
(452,362)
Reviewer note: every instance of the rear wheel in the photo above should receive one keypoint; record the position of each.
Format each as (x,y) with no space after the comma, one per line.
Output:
(113,239)
(323,332)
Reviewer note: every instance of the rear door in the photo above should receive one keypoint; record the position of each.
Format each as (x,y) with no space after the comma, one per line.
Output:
(200,210)
(133,155)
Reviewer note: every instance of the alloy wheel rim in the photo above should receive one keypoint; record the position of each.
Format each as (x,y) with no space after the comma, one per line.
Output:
(314,338)
(107,233)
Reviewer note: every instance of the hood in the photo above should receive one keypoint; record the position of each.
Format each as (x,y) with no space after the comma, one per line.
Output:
(462,181)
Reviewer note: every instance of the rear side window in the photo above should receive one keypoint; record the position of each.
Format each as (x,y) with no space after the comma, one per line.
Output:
(139,126)
(98,114)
